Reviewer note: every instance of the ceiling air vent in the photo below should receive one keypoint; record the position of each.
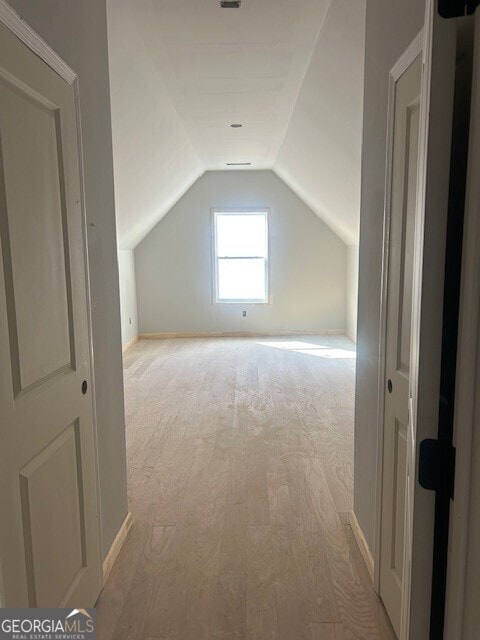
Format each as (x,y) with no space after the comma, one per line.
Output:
(238,164)
(230,4)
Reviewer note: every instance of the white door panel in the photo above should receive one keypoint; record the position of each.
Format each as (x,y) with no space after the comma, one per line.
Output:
(49,551)
(30,134)
(398,335)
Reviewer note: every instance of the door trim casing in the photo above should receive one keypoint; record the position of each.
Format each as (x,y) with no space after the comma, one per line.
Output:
(421,45)
(14,23)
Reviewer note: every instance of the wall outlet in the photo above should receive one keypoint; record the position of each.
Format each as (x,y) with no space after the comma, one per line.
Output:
(244,313)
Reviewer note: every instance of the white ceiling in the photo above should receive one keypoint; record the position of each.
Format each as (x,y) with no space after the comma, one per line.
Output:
(182,71)
(320,157)
(154,160)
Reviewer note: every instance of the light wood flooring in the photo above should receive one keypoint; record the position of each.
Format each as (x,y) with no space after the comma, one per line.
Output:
(240,467)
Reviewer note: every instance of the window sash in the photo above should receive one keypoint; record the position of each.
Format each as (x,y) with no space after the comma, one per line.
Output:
(264,258)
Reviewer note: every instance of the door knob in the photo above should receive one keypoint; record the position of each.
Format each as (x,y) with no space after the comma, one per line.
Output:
(389,386)
(84,387)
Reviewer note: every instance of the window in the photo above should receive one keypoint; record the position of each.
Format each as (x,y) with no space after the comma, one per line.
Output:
(241,256)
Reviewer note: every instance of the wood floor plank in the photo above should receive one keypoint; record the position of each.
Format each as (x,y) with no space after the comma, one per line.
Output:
(142,498)
(154,566)
(303,587)
(381,618)
(321,631)
(228,620)
(352,593)
(240,464)
(261,604)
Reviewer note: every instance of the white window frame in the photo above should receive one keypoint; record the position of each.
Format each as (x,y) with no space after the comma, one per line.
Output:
(216,257)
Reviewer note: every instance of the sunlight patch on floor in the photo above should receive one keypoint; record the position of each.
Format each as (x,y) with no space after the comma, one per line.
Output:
(311,349)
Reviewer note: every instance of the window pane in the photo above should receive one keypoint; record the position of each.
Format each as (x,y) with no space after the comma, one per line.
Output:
(241,279)
(241,234)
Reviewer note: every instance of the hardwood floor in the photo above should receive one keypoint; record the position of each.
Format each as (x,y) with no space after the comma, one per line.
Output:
(240,463)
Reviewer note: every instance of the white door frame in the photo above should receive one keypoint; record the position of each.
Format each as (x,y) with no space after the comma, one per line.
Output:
(12,21)
(467,397)
(422,44)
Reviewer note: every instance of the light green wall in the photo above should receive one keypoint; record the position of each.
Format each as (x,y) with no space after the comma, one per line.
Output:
(128,295)
(174,263)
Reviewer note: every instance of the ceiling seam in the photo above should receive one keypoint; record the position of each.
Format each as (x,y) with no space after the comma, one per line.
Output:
(307,67)
(307,202)
(150,2)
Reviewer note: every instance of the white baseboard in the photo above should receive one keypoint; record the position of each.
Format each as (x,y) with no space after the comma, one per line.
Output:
(117,544)
(129,344)
(362,543)
(239,334)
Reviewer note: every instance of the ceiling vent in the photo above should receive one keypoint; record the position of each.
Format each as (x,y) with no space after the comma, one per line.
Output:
(238,164)
(230,4)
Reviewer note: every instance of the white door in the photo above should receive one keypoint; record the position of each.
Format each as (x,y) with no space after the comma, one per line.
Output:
(49,538)
(398,334)
(420,164)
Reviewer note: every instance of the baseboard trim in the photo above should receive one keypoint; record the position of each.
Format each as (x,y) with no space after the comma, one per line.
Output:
(117,544)
(351,337)
(362,543)
(239,334)
(129,344)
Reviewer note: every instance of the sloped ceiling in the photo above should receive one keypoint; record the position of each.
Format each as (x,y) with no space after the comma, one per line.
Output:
(321,153)
(154,160)
(182,71)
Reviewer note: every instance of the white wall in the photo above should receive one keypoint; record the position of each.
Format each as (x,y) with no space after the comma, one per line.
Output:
(352,292)
(320,156)
(154,160)
(77,31)
(174,263)
(128,295)
(390,27)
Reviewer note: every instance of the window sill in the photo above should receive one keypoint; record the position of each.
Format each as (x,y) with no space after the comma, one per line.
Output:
(250,303)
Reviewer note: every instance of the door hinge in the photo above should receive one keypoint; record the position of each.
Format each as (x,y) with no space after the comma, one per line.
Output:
(457,8)
(437,467)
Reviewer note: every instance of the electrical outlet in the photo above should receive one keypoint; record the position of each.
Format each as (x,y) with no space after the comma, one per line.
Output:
(244,313)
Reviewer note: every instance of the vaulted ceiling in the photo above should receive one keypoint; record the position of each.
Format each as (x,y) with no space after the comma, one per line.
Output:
(183,71)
